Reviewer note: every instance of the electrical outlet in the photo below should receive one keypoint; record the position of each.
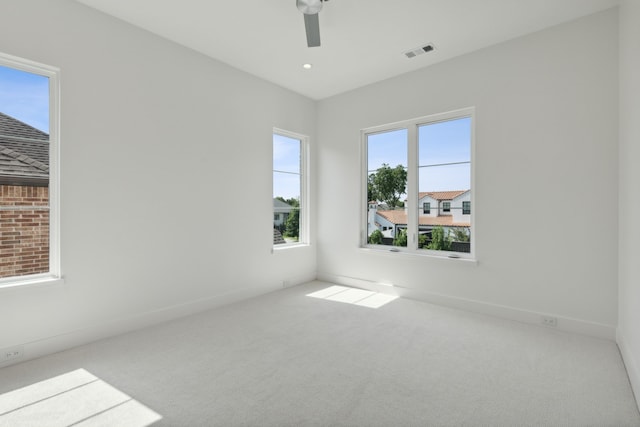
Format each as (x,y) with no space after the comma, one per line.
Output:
(549,321)
(11,353)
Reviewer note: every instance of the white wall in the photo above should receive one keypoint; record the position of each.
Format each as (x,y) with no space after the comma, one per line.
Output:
(160,149)
(629,298)
(546,135)
(456,208)
(433,206)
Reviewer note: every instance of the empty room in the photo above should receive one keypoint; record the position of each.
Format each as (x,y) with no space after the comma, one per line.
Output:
(319,213)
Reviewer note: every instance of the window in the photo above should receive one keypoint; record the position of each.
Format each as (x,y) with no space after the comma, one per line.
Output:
(409,165)
(386,183)
(29,249)
(290,202)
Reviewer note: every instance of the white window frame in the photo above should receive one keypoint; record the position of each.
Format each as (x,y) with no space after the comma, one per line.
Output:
(304,233)
(54,276)
(412,126)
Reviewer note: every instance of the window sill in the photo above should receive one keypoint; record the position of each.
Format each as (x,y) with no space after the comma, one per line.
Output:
(284,248)
(31,283)
(423,255)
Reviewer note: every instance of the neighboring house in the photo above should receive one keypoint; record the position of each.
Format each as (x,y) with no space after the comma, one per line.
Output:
(461,207)
(277,237)
(24,154)
(24,198)
(281,211)
(439,203)
(448,209)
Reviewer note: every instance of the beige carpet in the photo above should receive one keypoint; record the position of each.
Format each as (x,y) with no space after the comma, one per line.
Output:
(288,359)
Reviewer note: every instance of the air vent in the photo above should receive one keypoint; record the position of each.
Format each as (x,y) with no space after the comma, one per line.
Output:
(419,51)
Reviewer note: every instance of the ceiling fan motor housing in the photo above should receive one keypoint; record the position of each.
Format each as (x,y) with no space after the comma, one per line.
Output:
(309,7)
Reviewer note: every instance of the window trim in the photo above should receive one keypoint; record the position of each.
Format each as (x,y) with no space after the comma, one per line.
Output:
(304,232)
(54,276)
(412,126)
(426,208)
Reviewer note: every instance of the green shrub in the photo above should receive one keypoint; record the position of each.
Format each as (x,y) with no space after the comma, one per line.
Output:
(439,241)
(376,238)
(401,238)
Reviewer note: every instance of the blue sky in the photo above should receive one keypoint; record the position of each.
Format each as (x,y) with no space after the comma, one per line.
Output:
(25,96)
(438,143)
(441,143)
(286,158)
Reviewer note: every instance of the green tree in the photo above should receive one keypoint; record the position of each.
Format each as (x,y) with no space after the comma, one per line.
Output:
(422,240)
(460,234)
(388,184)
(292,225)
(291,202)
(376,238)
(439,241)
(371,189)
(400,239)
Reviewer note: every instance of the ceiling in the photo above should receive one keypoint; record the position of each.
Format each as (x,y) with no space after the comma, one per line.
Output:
(362,40)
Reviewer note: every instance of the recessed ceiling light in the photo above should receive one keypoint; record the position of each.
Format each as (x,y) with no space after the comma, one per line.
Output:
(307,66)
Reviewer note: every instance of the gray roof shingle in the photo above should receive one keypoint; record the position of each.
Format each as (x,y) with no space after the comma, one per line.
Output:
(24,153)
(277,237)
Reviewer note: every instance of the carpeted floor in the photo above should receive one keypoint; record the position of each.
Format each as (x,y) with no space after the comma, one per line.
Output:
(286,359)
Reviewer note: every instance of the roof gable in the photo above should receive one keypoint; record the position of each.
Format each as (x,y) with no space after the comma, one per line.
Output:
(462,194)
(12,127)
(277,203)
(441,195)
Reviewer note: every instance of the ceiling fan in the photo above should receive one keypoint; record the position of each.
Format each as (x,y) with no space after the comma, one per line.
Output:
(310,9)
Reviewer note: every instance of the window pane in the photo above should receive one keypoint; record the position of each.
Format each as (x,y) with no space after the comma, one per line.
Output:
(386,187)
(286,186)
(287,189)
(445,142)
(286,154)
(24,173)
(444,175)
(387,148)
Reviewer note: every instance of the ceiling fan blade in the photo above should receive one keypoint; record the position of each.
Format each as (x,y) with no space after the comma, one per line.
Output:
(312,26)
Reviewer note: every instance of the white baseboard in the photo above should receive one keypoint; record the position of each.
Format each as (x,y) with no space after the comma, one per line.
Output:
(630,364)
(567,324)
(298,280)
(54,344)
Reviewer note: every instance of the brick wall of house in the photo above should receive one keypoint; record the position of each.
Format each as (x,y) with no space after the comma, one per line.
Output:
(24,232)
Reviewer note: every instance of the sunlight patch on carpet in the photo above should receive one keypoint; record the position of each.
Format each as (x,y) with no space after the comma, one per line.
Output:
(353,296)
(76,398)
